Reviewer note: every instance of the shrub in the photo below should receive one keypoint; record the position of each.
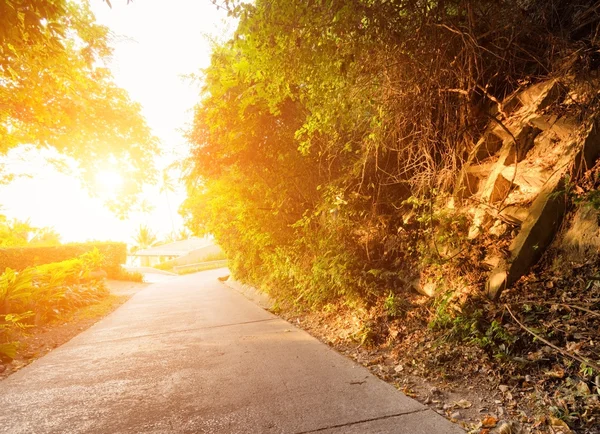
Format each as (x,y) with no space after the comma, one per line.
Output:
(114,254)
(130,276)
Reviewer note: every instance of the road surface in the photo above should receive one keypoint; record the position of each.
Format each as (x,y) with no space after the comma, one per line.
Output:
(190,355)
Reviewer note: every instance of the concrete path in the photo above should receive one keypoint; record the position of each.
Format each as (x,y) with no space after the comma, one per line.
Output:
(193,356)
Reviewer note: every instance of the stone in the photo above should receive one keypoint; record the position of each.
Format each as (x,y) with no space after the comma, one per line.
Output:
(583,235)
(590,151)
(525,141)
(526,178)
(471,178)
(565,128)
(541,121)
(514,215)
(497,281)
(498,229)
(429,289)
(500,189)
(455,415)
(487,146)
(503,388)
(537,231)
(542,95)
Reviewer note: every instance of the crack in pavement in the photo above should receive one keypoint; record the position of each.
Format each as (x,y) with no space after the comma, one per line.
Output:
(127,338)
(363,421)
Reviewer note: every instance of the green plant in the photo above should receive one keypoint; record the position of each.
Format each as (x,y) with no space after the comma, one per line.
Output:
(126,275)
(19,258)
(11,327)
(394,306)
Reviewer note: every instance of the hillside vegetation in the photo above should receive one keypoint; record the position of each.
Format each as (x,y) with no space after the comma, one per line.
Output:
(348,153)
(328,130)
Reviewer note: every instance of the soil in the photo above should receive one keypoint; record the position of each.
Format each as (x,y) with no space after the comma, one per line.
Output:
(525,387)
(41,340)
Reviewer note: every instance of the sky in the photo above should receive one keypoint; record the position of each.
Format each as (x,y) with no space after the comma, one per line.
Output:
(156,43)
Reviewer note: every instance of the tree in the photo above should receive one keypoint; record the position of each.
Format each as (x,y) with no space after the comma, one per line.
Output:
(56,91)
(143,238)
(322,122)
(19,233)
(168,186)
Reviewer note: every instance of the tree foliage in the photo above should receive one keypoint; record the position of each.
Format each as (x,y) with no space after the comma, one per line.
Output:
(321,118)
(57,91)
(17,233)
(143,238)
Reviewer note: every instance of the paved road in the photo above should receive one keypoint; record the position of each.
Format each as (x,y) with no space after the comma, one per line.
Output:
(193,356)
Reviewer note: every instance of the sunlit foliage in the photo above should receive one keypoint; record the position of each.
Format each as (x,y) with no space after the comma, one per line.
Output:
(321,118)
(56,91)
(37,295)
(17,233)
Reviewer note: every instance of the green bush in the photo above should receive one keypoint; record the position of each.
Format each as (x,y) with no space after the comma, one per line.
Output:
(20,258)
(37,294)
(129,276)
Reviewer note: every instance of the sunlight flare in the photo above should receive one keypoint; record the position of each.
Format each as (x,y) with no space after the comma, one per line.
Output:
(109,181)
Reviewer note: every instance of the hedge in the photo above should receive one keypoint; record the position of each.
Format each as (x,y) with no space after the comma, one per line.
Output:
(19,258)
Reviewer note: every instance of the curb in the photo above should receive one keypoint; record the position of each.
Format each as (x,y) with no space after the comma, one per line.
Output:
(251,293)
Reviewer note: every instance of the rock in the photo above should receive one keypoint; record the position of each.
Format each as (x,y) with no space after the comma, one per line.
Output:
(528,379)
(398,369)
(456,415)
(589,152)
(498,229)
(537,231)
(488,145)
(500,188)
(541,95)
(503,388)
(497,281)
(429,289)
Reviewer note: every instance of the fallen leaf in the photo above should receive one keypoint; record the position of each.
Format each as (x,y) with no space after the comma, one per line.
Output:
(489,422)
(583,388)
(557,373)
(560,424)
(463,403)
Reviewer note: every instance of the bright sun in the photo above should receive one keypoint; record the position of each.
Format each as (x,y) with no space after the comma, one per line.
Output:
(109,181)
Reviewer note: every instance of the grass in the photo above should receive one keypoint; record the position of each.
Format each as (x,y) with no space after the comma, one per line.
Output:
(203,267)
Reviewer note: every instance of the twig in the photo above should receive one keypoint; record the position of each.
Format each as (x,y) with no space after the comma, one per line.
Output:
(560,350)
(572,306)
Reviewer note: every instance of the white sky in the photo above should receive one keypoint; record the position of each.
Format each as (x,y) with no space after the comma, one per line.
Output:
(156,42)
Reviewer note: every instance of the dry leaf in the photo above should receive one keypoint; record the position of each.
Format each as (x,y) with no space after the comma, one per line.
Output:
(489,422)
(560,424)
(463,403)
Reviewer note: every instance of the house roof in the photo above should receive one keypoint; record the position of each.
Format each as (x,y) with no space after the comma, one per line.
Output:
(178,248)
